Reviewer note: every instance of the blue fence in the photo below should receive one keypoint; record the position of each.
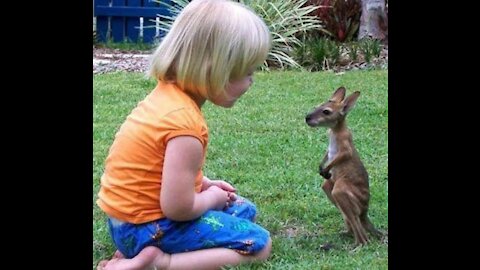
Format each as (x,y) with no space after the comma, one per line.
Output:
(119,20)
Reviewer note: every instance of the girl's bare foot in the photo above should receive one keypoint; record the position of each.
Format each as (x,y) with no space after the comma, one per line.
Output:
(150,258)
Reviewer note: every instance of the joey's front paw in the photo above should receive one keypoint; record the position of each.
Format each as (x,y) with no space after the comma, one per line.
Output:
(324,174)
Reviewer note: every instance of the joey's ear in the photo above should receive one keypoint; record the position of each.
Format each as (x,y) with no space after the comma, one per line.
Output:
(349,102)
(339,94)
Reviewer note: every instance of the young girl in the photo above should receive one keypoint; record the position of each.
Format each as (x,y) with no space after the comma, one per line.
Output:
(163,212)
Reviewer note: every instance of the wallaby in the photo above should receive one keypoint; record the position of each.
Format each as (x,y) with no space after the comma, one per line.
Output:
(346,179)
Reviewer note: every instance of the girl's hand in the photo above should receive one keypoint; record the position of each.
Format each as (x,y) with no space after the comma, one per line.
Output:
(228,188)
(223,185)
(207,183)
(220,197)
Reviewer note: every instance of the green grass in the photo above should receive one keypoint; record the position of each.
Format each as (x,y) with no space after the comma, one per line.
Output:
(264,148)
(126,46)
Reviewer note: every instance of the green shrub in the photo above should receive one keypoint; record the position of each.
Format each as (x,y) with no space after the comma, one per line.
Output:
(318,53)
(370,48)
(353,48)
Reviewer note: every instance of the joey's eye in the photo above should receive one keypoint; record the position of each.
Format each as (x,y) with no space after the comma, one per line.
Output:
(327,112)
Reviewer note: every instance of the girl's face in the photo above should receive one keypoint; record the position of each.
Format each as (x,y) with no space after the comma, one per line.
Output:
(234,91)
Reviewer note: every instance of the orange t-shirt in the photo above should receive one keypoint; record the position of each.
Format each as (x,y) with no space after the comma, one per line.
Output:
(132,180)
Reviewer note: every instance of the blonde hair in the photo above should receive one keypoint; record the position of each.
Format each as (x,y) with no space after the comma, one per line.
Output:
(211,43)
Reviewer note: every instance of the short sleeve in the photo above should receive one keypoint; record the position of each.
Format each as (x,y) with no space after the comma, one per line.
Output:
(184,122)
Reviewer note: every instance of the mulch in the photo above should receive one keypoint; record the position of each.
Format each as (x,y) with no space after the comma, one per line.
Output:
(107,60)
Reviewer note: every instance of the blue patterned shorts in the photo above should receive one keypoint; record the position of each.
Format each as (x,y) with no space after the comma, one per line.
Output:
(232,228)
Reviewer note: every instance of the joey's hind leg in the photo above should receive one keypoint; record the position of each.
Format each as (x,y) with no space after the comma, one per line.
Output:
(350,213)
(327,187)
(348,229)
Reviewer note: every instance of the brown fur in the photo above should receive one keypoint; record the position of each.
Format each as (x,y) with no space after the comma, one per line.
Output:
(346,179)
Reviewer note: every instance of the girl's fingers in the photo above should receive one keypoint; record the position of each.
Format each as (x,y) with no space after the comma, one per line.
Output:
(226,186)
(223,185)
(232,196)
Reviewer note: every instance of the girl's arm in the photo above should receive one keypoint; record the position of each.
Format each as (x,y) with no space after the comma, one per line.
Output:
(178,199)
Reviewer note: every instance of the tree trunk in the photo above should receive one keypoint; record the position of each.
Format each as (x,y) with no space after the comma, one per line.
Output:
(374,20)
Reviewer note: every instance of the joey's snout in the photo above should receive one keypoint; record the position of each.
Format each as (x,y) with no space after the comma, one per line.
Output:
(310,120)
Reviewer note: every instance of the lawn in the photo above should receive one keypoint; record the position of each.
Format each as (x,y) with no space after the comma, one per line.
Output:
(264,148)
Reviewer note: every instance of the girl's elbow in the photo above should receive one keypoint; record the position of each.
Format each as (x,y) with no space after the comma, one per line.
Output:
(176,213)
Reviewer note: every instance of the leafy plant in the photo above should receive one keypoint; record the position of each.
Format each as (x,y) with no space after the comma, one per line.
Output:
(370,47)
(353,48)
(287,20)
(341,17)
(174,7)
(318,53)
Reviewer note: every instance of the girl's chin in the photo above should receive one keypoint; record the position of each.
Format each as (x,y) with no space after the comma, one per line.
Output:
(228,105)
(225,104)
